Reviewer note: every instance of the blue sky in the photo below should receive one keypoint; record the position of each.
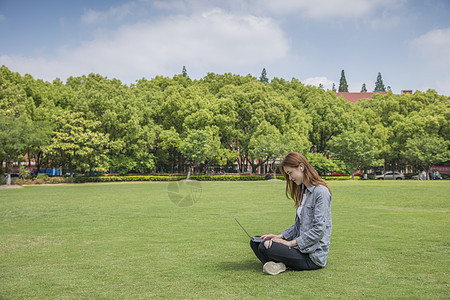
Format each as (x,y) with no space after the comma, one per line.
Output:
(407,41)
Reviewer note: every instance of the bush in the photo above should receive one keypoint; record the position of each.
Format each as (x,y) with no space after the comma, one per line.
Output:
(43,179)
(227,177)
(83,179)
(343,177)
(445,176)
(24,173)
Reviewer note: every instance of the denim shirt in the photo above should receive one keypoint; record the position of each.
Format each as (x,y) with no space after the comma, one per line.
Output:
(313,231)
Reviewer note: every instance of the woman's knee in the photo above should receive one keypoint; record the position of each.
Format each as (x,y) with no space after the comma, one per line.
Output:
(264,248)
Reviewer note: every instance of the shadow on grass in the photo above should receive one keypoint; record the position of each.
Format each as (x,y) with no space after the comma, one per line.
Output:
(233,266)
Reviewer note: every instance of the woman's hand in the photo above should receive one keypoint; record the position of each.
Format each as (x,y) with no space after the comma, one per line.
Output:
(290,244)
(271,236)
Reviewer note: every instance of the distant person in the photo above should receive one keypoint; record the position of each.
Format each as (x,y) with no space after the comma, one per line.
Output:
(424,175)
(437,175)
(304,245)
(268,176)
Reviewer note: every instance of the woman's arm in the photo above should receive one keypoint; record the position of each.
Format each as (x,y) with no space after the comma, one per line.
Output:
(309,238)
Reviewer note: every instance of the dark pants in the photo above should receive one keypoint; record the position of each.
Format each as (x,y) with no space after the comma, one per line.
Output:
(292,258)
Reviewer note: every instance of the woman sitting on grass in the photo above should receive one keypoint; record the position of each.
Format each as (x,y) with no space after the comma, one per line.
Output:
(304,245)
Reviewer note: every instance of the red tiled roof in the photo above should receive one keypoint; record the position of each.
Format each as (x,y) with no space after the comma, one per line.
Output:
(353,97)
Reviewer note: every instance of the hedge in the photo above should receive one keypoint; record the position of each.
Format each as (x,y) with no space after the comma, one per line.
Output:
(340,177)
(83,179)
(119,178)
(226,177)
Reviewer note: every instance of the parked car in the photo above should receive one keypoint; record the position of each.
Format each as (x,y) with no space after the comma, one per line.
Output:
(390,176)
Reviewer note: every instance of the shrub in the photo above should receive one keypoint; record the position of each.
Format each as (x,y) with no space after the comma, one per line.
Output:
(344,177)
(24,173)
(42,180)
(233,177)
(83,179)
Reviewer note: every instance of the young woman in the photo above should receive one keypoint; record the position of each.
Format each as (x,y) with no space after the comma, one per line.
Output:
(304,245)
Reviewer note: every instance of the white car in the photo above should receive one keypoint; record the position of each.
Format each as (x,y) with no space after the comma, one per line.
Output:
(391,176)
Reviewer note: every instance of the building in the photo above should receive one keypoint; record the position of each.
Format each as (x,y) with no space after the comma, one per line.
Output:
(353,97)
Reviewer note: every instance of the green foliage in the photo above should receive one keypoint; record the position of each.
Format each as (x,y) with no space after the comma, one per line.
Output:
(379,85)
(343,86)
(263,78)
(341,177)
(93,124)
(24,173)
(228,177)
(359,150)
(78,141)
(425,151)
(363,88)
(84,179)
(324,165)
(43,179)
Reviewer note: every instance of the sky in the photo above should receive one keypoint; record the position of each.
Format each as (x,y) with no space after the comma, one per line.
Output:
(407,41)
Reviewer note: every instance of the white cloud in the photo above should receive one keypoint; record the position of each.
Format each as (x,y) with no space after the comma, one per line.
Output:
(115,12)
(211,41)
(386,20)
(324,9)
(431,52)
(434,46)
(327,83)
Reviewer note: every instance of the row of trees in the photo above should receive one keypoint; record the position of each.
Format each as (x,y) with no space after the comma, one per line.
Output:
(343,86)
(95,124)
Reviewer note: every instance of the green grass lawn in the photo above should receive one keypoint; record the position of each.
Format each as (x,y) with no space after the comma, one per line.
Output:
(129,240)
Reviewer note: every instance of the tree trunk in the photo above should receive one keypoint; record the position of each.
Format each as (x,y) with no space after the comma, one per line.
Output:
(8,172)
(189,172)
(71,168)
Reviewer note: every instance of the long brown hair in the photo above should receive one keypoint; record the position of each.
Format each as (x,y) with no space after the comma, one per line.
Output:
(294,160)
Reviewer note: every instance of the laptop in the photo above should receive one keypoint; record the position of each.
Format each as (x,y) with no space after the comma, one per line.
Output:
(253,238)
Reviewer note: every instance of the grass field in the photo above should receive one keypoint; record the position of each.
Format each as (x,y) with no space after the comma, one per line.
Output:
(130,240)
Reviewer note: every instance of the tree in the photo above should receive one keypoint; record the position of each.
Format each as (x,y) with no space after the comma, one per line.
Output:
(343,86)
(324,165)
(77,142)
(330,117)
(14,132)
(379,85)
(199,146)
(321,86)
(425,151)
(357,149)
(334,87)
(263,78)
(363,88)
(184,72)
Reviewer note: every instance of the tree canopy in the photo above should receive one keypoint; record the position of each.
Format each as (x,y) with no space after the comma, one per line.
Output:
(93,124)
